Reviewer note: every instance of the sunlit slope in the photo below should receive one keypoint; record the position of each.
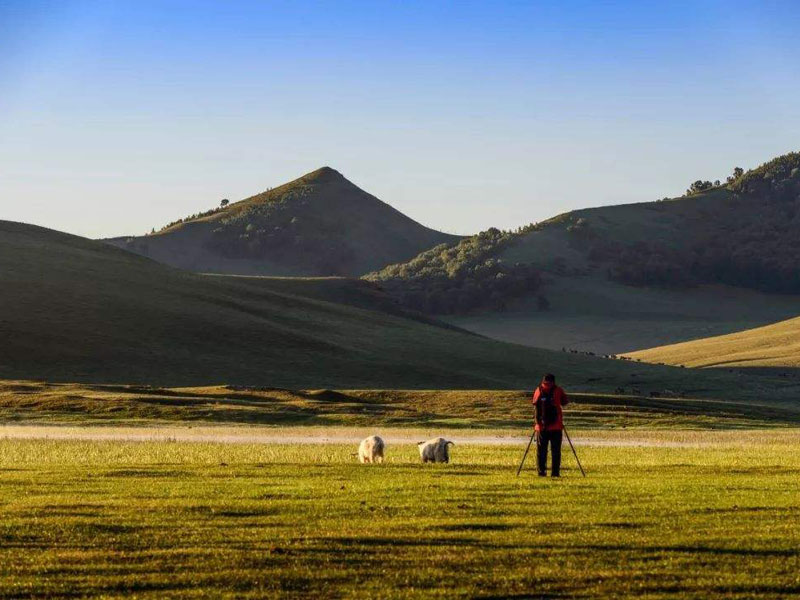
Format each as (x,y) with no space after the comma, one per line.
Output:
(318,224)
(77,310)
(776,345)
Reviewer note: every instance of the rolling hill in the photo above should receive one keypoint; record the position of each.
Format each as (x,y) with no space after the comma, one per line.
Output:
(775,347)
(318,225)
(76,310)
(620,278)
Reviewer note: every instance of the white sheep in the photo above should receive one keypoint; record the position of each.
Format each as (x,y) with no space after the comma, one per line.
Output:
(436,450)
(371,449)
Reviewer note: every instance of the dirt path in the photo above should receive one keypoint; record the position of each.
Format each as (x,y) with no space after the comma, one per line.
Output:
(339,435)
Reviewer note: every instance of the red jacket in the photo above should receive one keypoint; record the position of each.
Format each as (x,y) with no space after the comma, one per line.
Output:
(559,399)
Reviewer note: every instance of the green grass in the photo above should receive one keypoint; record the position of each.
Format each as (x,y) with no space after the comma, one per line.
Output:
(160,520)
(31,402)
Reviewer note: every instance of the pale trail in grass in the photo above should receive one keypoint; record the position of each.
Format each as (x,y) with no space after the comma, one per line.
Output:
(343,435)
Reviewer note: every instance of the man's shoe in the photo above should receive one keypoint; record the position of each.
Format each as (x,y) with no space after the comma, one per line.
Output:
(542,474)
(556,475)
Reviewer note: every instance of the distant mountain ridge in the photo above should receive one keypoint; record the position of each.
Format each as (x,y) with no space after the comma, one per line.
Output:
(745,233)
(320,224)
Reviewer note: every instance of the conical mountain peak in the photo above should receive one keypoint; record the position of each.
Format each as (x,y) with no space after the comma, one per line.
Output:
(318,224)
(323,175)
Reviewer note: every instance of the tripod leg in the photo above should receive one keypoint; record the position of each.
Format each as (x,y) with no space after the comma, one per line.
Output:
(524,456)
(575,453)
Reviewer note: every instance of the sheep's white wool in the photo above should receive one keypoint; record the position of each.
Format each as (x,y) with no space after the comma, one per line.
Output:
(371,449)
(436,450)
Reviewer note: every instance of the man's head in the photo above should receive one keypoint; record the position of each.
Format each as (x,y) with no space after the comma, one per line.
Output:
(548,380)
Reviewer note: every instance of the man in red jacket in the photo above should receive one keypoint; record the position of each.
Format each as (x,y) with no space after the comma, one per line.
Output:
(547,402)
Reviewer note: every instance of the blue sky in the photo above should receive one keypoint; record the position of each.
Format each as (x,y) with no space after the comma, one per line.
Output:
(116,117)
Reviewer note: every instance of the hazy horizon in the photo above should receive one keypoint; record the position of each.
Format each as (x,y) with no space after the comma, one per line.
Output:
(117,117)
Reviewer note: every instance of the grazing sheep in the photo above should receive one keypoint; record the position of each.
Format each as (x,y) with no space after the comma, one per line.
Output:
(436,450)
(371,450)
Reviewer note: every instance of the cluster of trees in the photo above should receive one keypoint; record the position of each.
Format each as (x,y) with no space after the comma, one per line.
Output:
(461,277)
(764,265)
(776,180)
(752,243)
(644,264)
(702,185)
(737,174)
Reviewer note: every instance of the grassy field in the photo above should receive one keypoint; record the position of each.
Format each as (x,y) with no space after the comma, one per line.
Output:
(157,520)
(34,402)
(775,347)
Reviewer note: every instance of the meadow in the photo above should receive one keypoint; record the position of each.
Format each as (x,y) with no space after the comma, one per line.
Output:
(697,515)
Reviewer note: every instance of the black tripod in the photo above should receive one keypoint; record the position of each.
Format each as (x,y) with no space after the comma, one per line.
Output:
(527,449)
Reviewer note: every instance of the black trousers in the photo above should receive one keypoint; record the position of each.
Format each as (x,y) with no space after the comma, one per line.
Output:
(542,440)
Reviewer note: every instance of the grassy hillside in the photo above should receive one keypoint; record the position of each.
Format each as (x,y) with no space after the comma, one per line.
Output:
(77,310)
(776,346)
(319,224)
(739,235)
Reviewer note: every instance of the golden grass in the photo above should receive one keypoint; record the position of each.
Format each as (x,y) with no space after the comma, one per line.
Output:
(776,345)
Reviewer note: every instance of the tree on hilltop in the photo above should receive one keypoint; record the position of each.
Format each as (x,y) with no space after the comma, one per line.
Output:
(699,186)
(737,173)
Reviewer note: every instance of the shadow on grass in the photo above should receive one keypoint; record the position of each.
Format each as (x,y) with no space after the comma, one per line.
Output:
(528,596)
(474,527)
(620,525)
(688,550)
(372,542)
(155,474)
(748,509)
